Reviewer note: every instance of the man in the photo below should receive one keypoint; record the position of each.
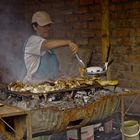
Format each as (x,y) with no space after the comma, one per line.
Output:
(40,60)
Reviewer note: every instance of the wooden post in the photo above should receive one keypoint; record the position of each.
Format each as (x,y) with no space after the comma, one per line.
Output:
(105,31)
(122,116)
(15,123)
(29,126)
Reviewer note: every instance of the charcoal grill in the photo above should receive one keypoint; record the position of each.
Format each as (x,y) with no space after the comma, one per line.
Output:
(54,118)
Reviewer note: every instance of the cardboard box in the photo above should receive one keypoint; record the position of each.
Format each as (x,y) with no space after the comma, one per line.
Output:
(72,134)
(85,133)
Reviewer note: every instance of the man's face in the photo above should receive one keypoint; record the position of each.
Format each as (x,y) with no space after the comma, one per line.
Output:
(43,31)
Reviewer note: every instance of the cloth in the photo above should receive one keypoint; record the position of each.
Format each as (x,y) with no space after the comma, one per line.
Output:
(41,65)
(48,68)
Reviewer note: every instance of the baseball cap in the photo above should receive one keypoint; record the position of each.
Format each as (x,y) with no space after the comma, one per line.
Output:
(42,18)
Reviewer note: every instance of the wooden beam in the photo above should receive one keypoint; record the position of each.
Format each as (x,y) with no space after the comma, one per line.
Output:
(14,123)
(29,126)
(105,31)
(122,116)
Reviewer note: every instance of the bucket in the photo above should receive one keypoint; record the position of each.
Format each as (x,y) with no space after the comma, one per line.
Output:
(131,130)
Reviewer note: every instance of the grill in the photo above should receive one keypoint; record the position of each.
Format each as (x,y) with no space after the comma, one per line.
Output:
(90,101)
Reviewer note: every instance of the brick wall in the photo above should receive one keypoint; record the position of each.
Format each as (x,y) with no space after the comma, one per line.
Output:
(124,29)
(80,21)
(75,20)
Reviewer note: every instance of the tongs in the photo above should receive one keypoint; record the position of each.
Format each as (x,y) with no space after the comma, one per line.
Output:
(80,60)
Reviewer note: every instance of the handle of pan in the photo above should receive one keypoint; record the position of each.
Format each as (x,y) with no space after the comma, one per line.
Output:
(108,53)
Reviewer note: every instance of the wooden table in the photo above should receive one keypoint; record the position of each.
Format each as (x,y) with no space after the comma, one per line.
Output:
(15,123)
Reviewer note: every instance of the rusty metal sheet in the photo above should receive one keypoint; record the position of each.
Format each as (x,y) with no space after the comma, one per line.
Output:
(49,119)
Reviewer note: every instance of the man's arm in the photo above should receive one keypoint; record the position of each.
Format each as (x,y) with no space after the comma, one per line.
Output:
(50,44)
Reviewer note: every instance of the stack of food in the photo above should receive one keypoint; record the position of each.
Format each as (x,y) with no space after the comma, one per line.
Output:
(58,85)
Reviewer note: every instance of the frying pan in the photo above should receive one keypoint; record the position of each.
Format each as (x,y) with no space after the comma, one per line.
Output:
(100,70)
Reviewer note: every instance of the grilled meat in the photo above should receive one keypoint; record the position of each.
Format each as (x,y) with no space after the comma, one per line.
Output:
(60,85)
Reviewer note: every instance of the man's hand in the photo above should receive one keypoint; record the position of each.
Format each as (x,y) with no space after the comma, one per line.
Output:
(73,47)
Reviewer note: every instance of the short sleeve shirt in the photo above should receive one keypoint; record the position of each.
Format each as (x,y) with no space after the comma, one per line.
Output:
(32,55)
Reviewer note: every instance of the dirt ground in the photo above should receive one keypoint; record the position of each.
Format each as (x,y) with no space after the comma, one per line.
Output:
(115,134)
(99,132)
(109,130)
(103,132)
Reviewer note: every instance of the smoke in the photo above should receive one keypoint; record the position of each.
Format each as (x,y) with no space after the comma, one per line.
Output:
(13,34)
(12,65)
(16,68)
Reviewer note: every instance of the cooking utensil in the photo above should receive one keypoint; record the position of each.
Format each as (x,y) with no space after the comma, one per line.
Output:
(108,53)
(95,70)
(80,60)
(100,70)
(107,62)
